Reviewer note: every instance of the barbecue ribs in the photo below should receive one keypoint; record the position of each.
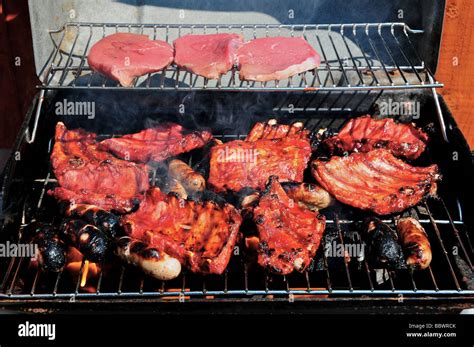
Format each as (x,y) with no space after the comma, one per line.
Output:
(156,144)
(289,234)
(376,181)
(87,175)
(201,235)
(270,149)
(365,133)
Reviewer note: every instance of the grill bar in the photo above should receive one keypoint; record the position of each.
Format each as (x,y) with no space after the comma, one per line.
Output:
(344,67)
(326,281)
(438,235)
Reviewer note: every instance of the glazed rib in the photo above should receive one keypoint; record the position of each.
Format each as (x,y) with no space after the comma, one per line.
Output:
(201,235)
(156,144)
(289,234)
(270,149)
(87,175)
(363,134)
(376,181)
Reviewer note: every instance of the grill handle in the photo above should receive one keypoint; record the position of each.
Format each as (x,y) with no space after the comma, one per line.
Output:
(30,137)
(439,112)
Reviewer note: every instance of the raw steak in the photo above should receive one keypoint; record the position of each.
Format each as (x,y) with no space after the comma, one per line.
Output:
(124,56)
(207,55)
(276,58)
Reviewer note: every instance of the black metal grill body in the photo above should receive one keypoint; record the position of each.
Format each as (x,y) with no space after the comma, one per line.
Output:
(447,220)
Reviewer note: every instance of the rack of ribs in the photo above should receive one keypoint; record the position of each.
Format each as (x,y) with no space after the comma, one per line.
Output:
(363,134)
(269,149)
(201,235)
(289,234)
(87,175)
(156,144)
(376,181)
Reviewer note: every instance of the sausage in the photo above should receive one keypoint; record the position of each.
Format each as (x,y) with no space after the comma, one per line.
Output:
(191,180)
(152,261)
(310,196)
(106,221)
(51,254)
(415,243)
(91,241)
(173,186)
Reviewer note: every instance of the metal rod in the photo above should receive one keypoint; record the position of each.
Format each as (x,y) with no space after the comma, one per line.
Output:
(359,293)
(369,65)
(351,56)
(433,278)
(122,272)
(372,45)
(438,234)
(30,138)
(387,48)
(56,283)
(456,234)
(439,112)
(7,273)
(79,276)
(64,75)
(15,276)
(83,58)
(399,45)
(341,239)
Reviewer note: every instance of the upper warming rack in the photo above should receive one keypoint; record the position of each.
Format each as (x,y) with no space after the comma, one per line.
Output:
(362,56)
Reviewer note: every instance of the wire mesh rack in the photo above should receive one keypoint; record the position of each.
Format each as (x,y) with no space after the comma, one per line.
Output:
(244,280)
(363,56)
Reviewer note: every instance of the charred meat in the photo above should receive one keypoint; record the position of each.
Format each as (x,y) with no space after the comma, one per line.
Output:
(201,235)
(383,249)
(376,181)
(105,220)
(51,254)
(270,149)
(92,242)
(87,175)
(289,235)
(156,144)
(415,243)
(365,133)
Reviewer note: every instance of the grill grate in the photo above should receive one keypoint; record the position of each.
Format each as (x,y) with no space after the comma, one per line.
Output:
(362,56)
(245,281)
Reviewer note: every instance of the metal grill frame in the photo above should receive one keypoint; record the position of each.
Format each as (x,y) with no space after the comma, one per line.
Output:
(265,293)
(61,65)
(342,69)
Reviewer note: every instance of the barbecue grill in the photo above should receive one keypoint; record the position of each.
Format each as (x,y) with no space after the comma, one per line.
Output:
(363,65)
